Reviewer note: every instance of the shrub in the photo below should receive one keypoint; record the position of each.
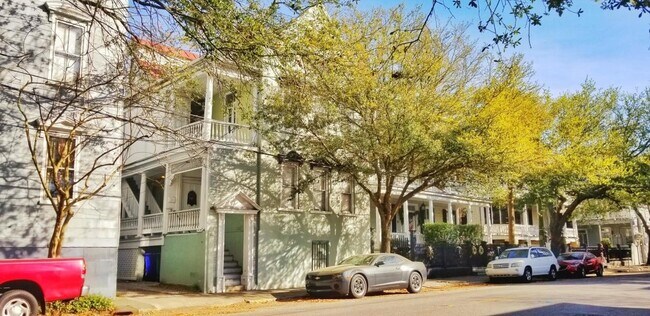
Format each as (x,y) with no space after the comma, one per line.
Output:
(440,233)
(85,304)
(469,233)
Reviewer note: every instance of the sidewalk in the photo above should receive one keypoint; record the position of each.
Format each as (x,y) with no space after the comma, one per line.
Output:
(139,297)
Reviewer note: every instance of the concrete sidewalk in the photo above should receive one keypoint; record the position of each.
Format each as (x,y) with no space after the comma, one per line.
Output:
(138,297)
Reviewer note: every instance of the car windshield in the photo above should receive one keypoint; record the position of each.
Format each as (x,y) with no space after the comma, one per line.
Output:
(360,260)
(570,256)
(514,253)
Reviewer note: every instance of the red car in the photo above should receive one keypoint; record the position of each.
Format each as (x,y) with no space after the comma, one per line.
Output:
(580,263)
(27,284)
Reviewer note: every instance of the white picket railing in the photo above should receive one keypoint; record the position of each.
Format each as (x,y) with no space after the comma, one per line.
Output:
(520,230)
(152,223)
(129,201)
(192,130)
(150,201)
(128,226)
(231,133)
(185,220)
(419,238)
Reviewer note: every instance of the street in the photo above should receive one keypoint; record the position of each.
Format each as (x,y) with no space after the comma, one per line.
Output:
(621,294)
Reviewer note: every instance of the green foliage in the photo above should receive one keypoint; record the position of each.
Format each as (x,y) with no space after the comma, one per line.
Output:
(469,233)
(450,234)
(85,304)
(606,242)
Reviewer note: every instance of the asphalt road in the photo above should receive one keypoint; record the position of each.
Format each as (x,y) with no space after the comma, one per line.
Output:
(620,294)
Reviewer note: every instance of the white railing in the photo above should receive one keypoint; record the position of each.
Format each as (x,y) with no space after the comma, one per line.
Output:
(231,133)
(129,201)
(419,238)
(128,226)
(185,220)
(192,130)
(520,230)
(150,201)
(152,223)
(570,232)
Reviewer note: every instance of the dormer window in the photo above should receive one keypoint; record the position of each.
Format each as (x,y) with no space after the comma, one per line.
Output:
(68,47)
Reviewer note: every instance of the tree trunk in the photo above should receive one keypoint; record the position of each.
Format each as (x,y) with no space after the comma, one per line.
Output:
(56,240)
(386,227)
(511,216)
(555,228)
(646,228)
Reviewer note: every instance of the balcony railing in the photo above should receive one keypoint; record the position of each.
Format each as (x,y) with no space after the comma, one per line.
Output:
(177,221)
(219,131)
(520,230)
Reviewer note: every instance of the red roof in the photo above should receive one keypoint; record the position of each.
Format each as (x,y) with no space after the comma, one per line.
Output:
(168,50)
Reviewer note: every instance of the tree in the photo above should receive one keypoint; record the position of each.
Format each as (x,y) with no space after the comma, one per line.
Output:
(508,20)
(397,109)
(590,144)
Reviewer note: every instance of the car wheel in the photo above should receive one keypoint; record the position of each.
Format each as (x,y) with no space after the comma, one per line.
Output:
(18,302)
(582,273)
(552,273)
(358,286)
(599,271)
(528,275)
(415,282)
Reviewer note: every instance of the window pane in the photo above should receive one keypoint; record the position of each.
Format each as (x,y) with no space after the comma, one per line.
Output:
(345,203)
(73,43)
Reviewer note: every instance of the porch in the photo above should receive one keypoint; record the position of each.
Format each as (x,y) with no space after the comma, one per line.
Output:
(218,131)
(173,221)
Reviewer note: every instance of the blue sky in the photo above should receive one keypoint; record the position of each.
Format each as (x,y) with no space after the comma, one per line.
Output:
(610,47)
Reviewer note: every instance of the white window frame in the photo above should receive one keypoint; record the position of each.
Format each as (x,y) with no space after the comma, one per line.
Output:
(349,181)
(55,19)
(321,190)
(231,111)
(45,163)
(294,203)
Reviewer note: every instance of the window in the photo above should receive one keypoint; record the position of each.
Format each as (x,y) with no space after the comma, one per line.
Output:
(321,191)
(530,215)
(347,196)
(320,253)
(197,110)
(59,159)
(68,49)
(518,218)
(569,224)
(290,186)
(231,113)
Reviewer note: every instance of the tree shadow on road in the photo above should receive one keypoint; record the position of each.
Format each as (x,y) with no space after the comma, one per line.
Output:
(580,309)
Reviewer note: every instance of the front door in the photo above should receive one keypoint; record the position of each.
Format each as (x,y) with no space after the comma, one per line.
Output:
(191,194)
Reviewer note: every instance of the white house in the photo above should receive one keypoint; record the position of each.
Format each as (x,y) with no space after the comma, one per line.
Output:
(53,54)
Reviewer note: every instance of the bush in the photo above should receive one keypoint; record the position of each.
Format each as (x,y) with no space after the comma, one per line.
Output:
(440,233)
(443,233)
(85,304)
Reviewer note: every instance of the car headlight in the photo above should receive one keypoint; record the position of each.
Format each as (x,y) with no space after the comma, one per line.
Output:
(516,264)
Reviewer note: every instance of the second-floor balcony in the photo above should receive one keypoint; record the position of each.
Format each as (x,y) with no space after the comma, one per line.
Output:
(176,221)
(218,131)
(521,231)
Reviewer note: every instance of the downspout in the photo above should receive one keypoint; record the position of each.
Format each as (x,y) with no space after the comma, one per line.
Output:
(258,192)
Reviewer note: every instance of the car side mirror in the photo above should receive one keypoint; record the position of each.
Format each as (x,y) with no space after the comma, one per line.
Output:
(379,263)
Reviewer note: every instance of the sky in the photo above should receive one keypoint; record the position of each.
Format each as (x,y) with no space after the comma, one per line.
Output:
(612,48)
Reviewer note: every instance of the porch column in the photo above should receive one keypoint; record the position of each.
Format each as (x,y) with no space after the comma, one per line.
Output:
(470,213)
(600,233)
(205,188)
(525,215)
(141,201)
(431,219)
(489,223)
(450,213)
(221,238)
(482,215)
(207,111)
(405,210)
(167,184)
(248,266)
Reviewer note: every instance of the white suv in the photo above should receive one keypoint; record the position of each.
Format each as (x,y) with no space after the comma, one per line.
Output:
(524,263)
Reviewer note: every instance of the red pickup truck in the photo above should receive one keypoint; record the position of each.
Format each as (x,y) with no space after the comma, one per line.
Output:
(26,284)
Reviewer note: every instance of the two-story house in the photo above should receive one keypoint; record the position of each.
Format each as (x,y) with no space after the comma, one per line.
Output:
(55,59)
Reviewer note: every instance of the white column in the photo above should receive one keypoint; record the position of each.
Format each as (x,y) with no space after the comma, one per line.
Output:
(482,214)
(205,192)
(141,201)
(450,213)
(525,215)
(167,184)
(248,266)
(207,112)
(431,220)
(405,210)
(470,214)
(221,237)
(489,223)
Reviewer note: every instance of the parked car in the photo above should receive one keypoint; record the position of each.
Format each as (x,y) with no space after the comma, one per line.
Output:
(27,284)
(360,274)
(524,263)
(580,263)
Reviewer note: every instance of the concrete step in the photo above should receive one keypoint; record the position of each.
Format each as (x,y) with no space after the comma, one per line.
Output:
(230,264)
(228,258)
(234,288)
(232,270)
(232,279)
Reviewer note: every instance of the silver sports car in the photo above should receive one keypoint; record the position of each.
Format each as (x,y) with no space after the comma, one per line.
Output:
(360,274)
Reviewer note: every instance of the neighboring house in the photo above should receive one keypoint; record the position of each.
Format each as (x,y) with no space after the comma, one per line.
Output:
(50,50)
(622,228)
(434,205)
(210,207)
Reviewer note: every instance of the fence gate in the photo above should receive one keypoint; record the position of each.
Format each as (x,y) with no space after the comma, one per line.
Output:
(320,253)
